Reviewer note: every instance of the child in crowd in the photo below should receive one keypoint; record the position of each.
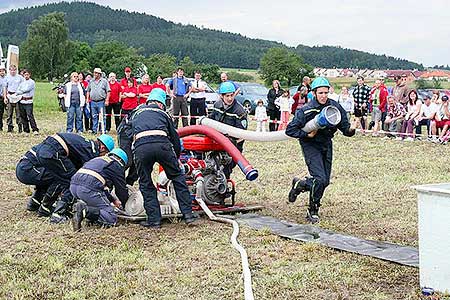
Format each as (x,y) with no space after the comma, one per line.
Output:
(260,116)
(284,103)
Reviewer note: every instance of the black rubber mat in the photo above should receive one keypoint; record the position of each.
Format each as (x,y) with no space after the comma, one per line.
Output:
(403,255)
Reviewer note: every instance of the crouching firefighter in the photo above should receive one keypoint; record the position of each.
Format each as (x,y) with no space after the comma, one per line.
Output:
(91,185)
(62,155)
(229,111)
(30,172)
(316,145)
(156,141)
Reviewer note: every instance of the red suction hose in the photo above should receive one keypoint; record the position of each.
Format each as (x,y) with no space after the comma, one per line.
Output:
(248,170)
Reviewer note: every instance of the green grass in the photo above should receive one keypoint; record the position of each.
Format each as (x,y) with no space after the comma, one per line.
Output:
(369,197)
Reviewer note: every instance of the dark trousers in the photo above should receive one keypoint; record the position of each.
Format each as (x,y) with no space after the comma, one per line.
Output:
(113,107)
(146,155)
(2,111)
(52,158)
(27,117)
(29,174)
(421,123)
(318,158)
(180,105)
(97,202)
(274,114)
(197,108)
(125,144)
(87,117)
(11,108)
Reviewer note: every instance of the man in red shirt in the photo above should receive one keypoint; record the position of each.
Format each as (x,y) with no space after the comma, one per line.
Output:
(114,102)
(124,81)
(129,98)
(144,89)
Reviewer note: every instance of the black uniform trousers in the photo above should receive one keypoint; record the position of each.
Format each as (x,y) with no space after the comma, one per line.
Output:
(27,173)
(318,159)
(197,108)
(146,155)
(125,145)
(52,157)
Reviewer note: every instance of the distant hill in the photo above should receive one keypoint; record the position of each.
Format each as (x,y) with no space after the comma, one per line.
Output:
(92,23)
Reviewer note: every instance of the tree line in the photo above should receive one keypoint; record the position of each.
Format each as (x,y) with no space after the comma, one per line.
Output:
(93,23)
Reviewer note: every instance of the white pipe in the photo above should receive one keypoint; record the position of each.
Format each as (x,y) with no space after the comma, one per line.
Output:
(273,136)
(248,292)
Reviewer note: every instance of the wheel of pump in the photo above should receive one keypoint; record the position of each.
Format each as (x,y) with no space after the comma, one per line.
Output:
(247,106)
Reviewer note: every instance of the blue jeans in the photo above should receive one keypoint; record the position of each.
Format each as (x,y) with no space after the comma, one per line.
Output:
(97,108)
(74,112)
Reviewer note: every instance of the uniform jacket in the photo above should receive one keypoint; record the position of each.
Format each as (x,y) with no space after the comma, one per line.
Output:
(151,117)
(308,112)
(111,170)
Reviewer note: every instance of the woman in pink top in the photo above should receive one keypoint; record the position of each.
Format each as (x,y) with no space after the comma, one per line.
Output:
(413,114)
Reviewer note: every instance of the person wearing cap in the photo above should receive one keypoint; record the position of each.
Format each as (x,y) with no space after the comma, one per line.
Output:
(114,105)
(13,80)
(124,81)
(361,96)
(429,110)
(317,146)
(180,89)
(2,92)
(224,78)
(62,154)
(97,94)
(400,91)
(92,184)
(229,111)
(156,141)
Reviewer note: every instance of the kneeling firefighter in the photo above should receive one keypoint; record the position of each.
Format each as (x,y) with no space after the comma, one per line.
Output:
(157,141)
(30,172)
(62,155)
(91,185)
(316,145)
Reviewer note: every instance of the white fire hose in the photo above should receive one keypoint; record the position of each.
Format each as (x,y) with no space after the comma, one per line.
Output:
(329,116)
(248,292)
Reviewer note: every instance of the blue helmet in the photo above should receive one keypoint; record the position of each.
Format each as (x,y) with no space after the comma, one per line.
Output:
(226,87)
(107,140)
(320,82)
(121,154)
(157,95)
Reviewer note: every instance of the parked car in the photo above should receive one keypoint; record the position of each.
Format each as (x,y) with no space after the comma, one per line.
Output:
(210,94)
(250,94)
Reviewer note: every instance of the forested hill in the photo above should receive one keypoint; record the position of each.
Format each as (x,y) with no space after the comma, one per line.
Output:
(92,23)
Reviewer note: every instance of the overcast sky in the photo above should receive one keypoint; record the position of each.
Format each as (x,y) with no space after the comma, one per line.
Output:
(416,30)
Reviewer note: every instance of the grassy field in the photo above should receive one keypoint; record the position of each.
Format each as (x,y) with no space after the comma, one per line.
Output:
(369,197)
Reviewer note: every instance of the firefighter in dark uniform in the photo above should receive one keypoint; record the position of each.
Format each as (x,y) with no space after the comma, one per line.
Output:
(91,185)
(62,155)
(125,140)
(228,111)
(317,147)
(156,141)
(30,172)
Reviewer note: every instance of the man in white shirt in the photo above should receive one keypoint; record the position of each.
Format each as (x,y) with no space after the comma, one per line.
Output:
(13,80)
(26,91)
(198,104)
